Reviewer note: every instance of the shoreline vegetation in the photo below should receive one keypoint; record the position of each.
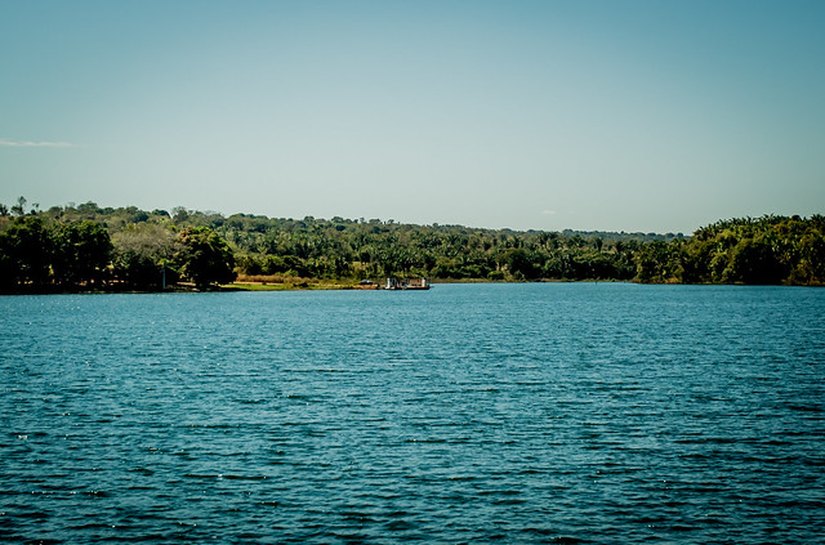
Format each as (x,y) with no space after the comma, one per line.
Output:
(87,248)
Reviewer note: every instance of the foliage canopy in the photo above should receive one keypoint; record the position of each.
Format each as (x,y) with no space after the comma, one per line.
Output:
(89,247)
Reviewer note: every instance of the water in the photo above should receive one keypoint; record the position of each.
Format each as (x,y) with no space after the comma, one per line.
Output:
(533,413)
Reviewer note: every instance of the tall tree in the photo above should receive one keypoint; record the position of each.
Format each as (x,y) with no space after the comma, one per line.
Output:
(205,258)
(28,248)
(82,253)
(143,254)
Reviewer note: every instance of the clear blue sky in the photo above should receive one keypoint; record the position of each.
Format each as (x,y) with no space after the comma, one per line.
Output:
(615,115)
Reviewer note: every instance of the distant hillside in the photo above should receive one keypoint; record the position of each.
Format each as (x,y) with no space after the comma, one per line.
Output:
(612,235)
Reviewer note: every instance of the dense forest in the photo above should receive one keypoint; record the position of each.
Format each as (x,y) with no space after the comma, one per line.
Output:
(86,247)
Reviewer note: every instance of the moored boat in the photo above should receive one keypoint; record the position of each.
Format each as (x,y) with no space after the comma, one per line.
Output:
(407,284)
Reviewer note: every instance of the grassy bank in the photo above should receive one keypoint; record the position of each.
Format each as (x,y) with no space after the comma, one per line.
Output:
(287,283)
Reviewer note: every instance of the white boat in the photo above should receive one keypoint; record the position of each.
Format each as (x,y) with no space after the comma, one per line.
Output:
(407,284)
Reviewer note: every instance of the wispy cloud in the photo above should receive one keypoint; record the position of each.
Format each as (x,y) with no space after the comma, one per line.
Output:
(9,143)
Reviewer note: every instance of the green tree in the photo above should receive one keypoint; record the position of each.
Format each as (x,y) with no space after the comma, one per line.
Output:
(8,265)
(205,258)
(810,268)
(82,253)
(27,247)
(143,254)
(753,261)
(659,262)
(19,209)
(522,264)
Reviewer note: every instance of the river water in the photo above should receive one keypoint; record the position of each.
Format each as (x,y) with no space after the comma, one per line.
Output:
(526,413)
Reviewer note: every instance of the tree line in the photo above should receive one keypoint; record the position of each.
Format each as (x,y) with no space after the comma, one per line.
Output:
(89,248)
(766,250)
(86,247)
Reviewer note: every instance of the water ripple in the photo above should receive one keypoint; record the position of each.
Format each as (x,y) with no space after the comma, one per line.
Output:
(563,413)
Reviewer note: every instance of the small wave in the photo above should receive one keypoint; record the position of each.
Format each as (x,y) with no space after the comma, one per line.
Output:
(253,536)
(96,493)
(708,440)
(210,426)
(89,526)
(501,492)
(202,476)
(225,476)
(36,515)
(462,478)
(568,540)
(813,461)
(399,525)
(25,436)
(231,477)
(804,408)
(256,401)
(681,528)
(509,501)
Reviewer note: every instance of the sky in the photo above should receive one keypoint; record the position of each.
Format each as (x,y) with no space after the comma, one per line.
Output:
(652,116)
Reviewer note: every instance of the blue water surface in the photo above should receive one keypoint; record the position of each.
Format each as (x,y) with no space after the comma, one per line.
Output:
(528,413)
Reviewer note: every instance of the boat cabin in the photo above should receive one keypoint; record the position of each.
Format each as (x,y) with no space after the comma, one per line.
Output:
(407,284)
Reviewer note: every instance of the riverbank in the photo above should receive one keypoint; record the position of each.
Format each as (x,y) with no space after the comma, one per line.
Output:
(316,284)
(303,284)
